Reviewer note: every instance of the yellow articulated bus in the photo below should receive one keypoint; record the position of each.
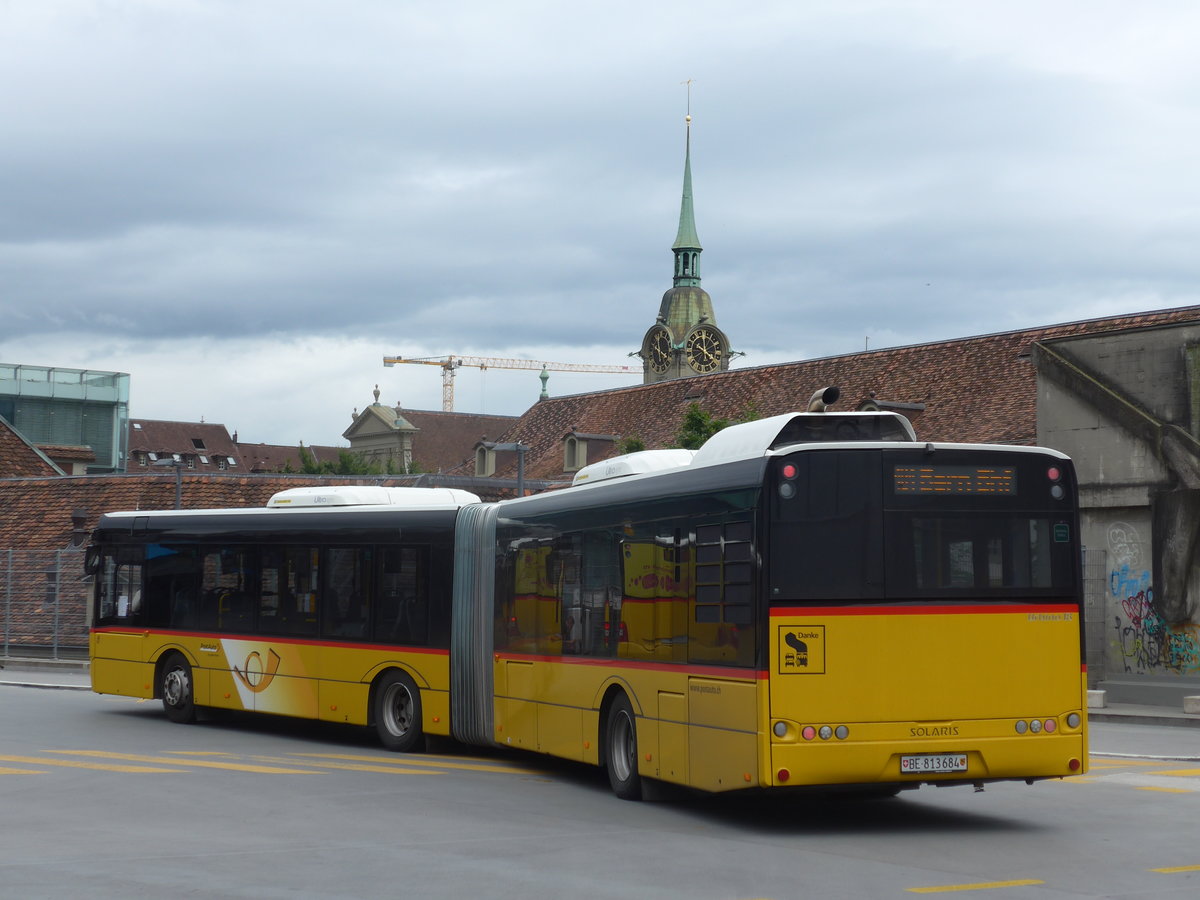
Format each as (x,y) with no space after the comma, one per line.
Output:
(812,600)
(329,603)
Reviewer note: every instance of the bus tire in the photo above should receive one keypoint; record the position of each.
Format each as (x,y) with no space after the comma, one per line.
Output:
(620,750)
(177,689)
(398,713)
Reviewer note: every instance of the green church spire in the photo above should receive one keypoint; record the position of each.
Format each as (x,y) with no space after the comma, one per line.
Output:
(687,244)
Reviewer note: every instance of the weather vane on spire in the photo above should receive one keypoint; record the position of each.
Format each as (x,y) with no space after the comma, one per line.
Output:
(688,117)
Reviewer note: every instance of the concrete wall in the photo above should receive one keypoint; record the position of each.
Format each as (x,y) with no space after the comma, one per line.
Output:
(1121,405)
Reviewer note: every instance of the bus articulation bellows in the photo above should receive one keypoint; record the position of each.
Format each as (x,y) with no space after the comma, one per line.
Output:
(810,600)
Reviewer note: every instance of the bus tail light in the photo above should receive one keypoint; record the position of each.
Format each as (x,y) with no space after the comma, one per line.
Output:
(1054,476)
(825,732)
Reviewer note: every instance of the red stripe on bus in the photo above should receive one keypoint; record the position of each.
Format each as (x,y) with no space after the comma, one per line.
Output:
(268,639)
(925,610)
(609,662)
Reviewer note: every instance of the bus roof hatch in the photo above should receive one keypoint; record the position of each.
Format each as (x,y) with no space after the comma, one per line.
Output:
(753,439)
(371,495)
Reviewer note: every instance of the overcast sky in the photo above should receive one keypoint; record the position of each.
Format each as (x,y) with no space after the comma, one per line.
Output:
(246,204)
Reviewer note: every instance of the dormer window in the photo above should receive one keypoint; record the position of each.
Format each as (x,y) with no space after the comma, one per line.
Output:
(576,448)
(485,462)
(574,454)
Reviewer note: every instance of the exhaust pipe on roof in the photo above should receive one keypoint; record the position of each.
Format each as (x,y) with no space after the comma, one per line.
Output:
(823,399)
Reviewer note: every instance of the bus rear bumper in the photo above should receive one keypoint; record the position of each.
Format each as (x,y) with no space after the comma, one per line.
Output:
(973,761)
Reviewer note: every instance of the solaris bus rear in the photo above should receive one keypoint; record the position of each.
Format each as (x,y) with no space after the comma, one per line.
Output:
(815,599)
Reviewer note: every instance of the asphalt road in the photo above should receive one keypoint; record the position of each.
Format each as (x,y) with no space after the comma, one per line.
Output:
(102,797)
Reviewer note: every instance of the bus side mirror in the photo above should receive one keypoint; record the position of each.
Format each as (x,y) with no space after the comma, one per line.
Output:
(91,560)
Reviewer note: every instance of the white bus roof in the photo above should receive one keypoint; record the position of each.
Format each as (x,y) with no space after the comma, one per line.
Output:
(372,495)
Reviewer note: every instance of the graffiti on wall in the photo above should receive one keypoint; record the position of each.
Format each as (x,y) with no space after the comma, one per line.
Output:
(1148,645)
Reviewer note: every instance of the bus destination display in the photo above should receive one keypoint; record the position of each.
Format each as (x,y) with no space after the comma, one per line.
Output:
(955,479)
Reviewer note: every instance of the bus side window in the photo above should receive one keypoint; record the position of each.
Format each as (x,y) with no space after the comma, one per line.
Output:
(345,594)
(230,582)
(584,630)
(288,604)
(402,615)
(119,586)
(722,628)
(172,593)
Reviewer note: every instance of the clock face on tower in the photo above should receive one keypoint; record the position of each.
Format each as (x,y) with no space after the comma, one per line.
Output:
(658,350)
(705,349)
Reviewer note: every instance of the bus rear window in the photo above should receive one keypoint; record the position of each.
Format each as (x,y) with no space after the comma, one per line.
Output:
(930,554)
(865,524)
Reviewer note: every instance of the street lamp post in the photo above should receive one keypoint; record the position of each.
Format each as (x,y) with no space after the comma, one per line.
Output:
(177,465)
(520,448)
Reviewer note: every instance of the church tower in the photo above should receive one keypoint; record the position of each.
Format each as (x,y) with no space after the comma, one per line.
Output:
(685,339)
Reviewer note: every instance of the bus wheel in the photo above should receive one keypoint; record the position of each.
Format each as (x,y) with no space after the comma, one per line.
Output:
(620,744)
(398,712)
(178,698)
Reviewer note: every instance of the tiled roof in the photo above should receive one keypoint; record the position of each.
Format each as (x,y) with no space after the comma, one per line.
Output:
(206,445)
(976,389)
(187,439)
(277,457)
(36,513)
(446,439)
(67,451)
(19,458)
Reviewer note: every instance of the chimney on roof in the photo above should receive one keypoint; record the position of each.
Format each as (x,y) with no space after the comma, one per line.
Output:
(78,527)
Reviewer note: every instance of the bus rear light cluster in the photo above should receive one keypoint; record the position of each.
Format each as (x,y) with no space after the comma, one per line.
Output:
(1037,726)
(824,732)
(787,484)
(1054,474)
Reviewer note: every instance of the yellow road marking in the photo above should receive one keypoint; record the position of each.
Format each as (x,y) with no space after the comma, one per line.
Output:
(423,761)
(72,764)
(1181,773)
(201,763)
(1172,870)
(1108,763)
(201,753)
(4,771)
(981,886)
(1163,790)
(353,767)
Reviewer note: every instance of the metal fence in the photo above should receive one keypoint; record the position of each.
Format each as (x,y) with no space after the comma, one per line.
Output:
(44,604)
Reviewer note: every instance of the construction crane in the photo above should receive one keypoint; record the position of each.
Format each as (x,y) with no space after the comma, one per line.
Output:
(450,363)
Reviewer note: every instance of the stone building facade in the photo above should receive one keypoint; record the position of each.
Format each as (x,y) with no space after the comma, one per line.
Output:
(1126,407)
